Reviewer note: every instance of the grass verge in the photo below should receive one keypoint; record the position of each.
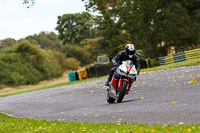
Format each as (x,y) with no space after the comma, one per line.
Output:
(45,87)
(19,125)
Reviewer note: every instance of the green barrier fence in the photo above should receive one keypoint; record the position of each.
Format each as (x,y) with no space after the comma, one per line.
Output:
(191,54)
(169,59)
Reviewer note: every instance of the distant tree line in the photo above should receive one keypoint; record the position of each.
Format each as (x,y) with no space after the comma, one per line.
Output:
(153,26)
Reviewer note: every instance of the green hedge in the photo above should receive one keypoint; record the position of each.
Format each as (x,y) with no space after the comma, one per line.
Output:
(27,64)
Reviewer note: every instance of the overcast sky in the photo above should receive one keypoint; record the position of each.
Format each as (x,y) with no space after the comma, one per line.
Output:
(17,21)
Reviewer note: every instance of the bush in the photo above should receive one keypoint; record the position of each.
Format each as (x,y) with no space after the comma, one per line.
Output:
(27,64)
(154,62)
(72,64)
(16,71)
(66,63)
(30,52)
(60,57)
(79,53)
(50,69)
(140,55)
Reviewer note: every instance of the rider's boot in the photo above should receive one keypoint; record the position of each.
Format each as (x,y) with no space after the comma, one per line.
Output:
(112,70)
(108,81)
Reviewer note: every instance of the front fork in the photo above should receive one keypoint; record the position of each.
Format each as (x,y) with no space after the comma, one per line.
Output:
(128,85)
(117,83)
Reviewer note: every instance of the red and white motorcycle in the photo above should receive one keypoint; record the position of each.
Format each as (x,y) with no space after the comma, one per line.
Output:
(121,81)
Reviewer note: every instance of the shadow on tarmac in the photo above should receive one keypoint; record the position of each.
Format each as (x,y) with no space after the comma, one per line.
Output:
(125,101)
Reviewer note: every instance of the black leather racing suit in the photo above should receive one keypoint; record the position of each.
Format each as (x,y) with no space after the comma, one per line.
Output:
(117,60)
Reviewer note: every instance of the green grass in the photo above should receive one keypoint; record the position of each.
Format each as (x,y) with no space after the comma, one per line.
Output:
(20,125)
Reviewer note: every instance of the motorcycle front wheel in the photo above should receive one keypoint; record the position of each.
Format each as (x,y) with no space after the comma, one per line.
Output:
(122,91)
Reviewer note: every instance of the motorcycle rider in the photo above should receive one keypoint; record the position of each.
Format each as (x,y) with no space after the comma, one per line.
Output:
(127,54)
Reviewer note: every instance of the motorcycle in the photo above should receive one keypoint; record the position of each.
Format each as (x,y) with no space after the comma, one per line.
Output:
(121,82)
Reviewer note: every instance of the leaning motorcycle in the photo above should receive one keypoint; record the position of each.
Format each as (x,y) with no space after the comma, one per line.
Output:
(121,82)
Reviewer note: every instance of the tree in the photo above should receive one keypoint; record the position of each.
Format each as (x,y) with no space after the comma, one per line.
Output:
(176,27)
(8,42)
(110,24)
(29,3)
(153,26)
(46,40)
(73,28)
(148,24)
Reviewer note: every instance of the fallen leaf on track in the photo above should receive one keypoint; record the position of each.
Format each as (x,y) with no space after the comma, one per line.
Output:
(96,116)
(193,81)
(174,102)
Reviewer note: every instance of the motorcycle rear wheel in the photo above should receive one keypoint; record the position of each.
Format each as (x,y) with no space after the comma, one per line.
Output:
(110,99)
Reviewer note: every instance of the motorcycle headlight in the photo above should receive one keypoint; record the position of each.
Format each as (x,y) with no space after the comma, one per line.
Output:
(132,75)
(121,72)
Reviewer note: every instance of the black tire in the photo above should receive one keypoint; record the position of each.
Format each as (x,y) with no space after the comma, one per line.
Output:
(122,91)
(110,99)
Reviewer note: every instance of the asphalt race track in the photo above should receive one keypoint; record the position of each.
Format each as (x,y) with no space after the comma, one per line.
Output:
(167,100)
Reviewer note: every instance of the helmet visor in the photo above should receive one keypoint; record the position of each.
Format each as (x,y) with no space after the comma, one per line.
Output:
(131,52)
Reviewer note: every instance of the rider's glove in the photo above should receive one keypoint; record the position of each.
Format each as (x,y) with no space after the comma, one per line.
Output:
(115,63)
(138,71)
